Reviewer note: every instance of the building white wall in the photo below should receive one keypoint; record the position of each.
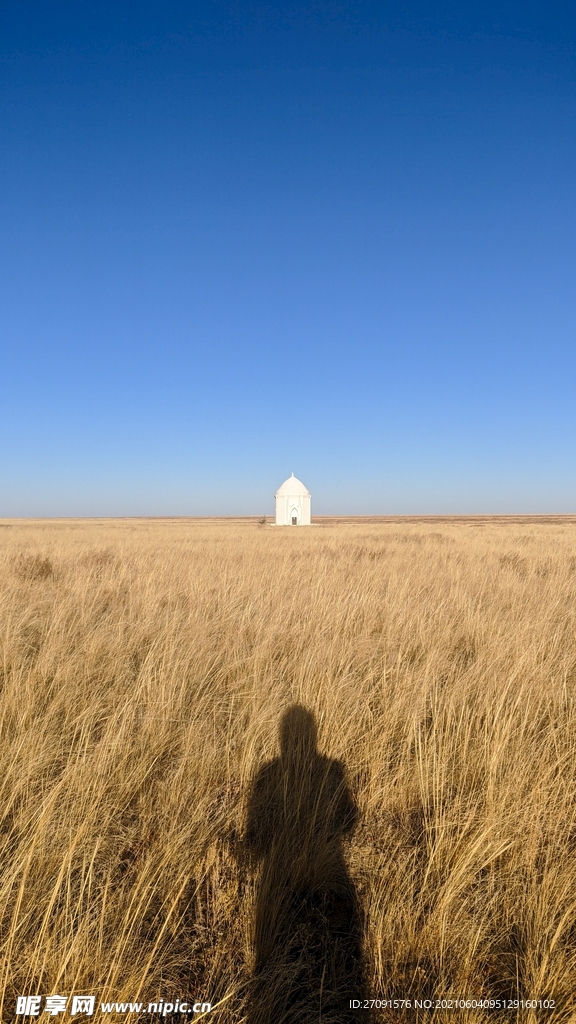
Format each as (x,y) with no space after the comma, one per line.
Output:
(286,504)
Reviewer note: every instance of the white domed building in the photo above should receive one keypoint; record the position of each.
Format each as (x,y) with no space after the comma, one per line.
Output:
(292,503)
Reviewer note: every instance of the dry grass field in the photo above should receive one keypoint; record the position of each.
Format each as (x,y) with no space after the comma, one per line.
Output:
(170,825)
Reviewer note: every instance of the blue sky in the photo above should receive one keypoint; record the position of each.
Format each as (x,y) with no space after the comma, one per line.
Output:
(245,239)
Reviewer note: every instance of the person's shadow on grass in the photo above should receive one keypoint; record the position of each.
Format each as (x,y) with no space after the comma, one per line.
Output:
(308,923)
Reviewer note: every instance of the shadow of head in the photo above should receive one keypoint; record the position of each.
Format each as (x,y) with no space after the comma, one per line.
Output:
(298,734)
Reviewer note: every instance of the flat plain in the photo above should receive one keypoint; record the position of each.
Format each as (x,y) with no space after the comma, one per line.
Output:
(146,670)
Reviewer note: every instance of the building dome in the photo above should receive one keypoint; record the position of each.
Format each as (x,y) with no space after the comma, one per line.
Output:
(292,486)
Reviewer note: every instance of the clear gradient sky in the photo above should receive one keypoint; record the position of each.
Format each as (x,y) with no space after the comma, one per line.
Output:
(244,239)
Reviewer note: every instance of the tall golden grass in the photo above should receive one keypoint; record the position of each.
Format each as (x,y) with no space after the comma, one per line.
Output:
(144,671)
